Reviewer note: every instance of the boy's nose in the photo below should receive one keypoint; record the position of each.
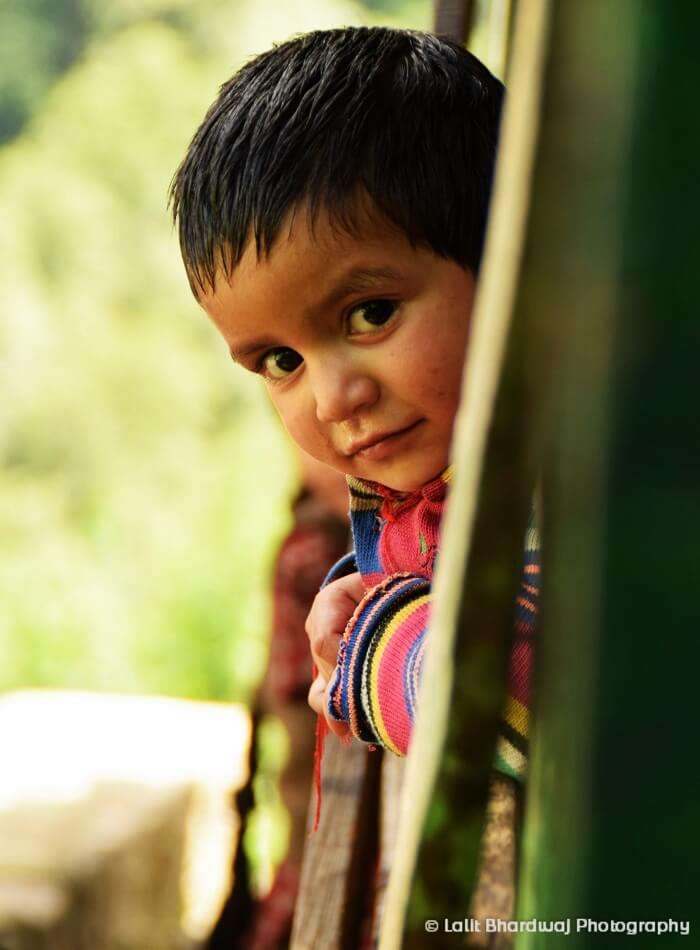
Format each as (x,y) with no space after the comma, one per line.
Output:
(340,394)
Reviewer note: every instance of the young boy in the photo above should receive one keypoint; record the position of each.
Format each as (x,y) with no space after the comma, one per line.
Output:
(331,209)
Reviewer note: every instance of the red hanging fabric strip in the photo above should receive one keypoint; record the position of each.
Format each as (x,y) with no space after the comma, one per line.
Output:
(321,732)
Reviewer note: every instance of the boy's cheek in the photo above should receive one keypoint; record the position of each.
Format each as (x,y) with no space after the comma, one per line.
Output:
(304,429)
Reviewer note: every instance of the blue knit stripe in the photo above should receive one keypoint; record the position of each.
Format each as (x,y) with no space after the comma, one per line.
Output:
(364,531)
(410,680)
(365,504)
(346,565)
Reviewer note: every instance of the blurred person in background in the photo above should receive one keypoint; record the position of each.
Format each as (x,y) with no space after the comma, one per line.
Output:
(318,537)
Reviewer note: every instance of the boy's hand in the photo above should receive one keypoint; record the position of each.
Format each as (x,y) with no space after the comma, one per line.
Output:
(328,617)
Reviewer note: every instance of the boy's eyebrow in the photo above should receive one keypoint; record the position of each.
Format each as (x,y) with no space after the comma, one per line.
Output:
(241,352)
(356,280)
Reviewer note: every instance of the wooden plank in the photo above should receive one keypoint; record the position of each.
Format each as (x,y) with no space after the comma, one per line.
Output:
(339,856)
(494,893)
(393,771)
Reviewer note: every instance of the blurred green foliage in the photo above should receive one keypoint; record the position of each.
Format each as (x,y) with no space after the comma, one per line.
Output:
(39,39)
(144,482)
(266,837)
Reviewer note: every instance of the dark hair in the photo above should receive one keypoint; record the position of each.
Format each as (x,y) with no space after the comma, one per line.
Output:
(407,119)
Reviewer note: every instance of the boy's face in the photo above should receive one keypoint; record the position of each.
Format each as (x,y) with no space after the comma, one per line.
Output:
(361,343)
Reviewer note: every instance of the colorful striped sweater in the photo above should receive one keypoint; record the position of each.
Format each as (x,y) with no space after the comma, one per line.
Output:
(380,658)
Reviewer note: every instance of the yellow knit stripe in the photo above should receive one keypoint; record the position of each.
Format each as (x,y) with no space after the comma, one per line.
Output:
(390,629)
(364,504)
(362,498)
(517,716)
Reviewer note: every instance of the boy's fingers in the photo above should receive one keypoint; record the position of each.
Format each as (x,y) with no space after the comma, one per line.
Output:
(353,586)
(318,699)
(340,729)
(324,649)
(317,693)
(328,617)
(324,635)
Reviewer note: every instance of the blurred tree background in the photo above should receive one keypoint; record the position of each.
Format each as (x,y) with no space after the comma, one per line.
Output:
(144,482)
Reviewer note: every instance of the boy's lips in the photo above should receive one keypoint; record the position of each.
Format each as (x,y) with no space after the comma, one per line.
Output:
(381,444)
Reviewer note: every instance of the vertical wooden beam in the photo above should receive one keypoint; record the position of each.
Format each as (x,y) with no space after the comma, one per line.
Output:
(498,35)
(462,691)
(490,33)
(611,828)
(454,18)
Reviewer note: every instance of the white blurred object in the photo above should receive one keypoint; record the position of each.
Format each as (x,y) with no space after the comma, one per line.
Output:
(86,776)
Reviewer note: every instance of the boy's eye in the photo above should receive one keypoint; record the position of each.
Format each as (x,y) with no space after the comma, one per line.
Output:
(371,315)
(276,364)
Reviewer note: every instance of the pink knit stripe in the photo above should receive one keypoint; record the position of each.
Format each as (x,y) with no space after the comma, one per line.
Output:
(393,710)
(370,579)
(520,669)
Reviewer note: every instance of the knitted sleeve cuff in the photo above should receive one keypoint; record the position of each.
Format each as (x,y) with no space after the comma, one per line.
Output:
(375,685)
(346,565)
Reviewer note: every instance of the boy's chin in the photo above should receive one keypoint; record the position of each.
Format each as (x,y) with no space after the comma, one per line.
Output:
(410,479)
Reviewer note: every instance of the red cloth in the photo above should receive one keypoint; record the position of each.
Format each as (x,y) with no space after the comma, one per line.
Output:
(316,540)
